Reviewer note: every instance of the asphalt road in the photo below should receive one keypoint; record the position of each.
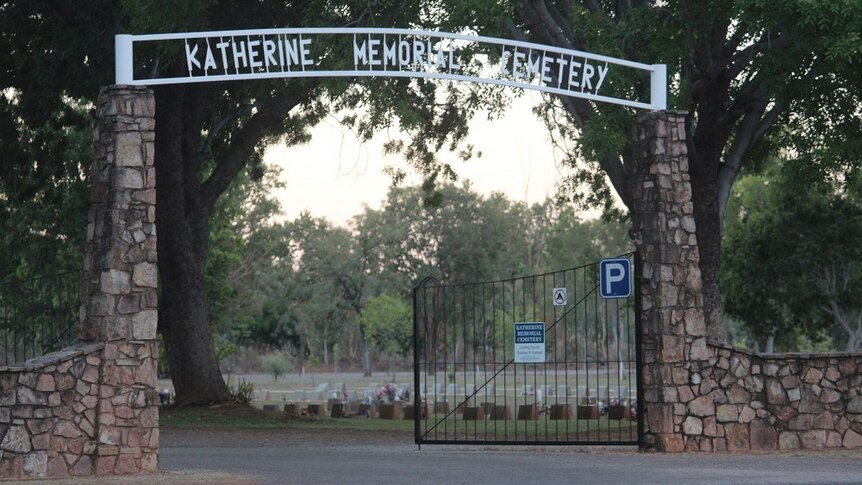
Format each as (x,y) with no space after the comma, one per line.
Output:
(279,457)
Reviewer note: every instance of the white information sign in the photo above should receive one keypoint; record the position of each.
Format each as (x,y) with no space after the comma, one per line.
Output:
(365,52)
(529,342)
(560,296)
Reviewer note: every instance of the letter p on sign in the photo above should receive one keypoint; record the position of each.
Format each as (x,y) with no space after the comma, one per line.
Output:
(615,280)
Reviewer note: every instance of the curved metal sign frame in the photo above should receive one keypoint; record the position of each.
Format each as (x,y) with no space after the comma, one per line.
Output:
(290,53)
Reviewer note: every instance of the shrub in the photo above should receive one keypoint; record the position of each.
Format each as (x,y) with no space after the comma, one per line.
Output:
(276,364)
(241,392)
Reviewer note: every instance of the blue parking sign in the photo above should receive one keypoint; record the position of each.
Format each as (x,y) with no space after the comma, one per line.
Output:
(615,280)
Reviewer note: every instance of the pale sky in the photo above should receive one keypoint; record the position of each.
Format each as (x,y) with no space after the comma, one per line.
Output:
(334,174)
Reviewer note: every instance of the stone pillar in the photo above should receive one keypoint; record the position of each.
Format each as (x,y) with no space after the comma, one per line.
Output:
(120,279)
(673,332)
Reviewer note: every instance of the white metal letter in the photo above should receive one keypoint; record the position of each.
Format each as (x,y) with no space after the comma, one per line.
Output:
(291,52)
(239,55)
(574,73)
(504,60)
(253,53)
(222,46)
(546,68)
(517,62)
(268,51)
(587,82)
(209,60)
(373,58)
(390,54)
(191,57)
(306,53)
(603,71)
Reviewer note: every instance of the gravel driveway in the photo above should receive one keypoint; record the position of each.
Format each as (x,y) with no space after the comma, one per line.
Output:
(353,457)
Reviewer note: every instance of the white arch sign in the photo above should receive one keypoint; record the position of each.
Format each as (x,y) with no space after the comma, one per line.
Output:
(309,52)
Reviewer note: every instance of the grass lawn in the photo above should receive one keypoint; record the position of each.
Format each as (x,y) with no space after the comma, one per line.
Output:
(232,416)
(541,429)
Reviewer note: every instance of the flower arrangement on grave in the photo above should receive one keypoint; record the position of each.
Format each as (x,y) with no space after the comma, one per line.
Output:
(387,393)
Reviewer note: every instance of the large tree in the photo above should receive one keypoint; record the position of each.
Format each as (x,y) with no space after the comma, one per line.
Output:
(58,54)
(742,69)
(207,133)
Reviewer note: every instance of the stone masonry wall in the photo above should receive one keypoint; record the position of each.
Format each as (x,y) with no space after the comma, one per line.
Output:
(48,414)
(703,397)
(93,409)
(741,401)
(120,277)
(673,332)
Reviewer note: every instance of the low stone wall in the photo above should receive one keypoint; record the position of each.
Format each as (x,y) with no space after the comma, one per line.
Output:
(49,415)
(739,401)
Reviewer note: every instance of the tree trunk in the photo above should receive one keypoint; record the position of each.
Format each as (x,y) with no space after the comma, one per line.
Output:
(182,246)
(366,354)
(854,335)
(704,162)
(770,343)
(709,246)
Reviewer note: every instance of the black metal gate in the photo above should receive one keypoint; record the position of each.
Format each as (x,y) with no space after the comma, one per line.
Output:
(473,389)
(38,316)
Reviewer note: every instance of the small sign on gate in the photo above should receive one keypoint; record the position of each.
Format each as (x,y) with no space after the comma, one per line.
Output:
(560,297)
(615,278)
(529,342)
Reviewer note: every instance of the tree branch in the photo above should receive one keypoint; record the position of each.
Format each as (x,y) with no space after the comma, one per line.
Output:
(216,130)
(556,28)
(246,139)
(539,30)
(579,109)
(836,311)
(750,131)
(741,59)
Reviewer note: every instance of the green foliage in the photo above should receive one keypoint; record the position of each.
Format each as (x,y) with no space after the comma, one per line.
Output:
(241,392)
(490,239)
(46,129)
(276,364)
(792,258)
(575,241)
(162,359)
(388,323)
(319,290)
(44,193)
